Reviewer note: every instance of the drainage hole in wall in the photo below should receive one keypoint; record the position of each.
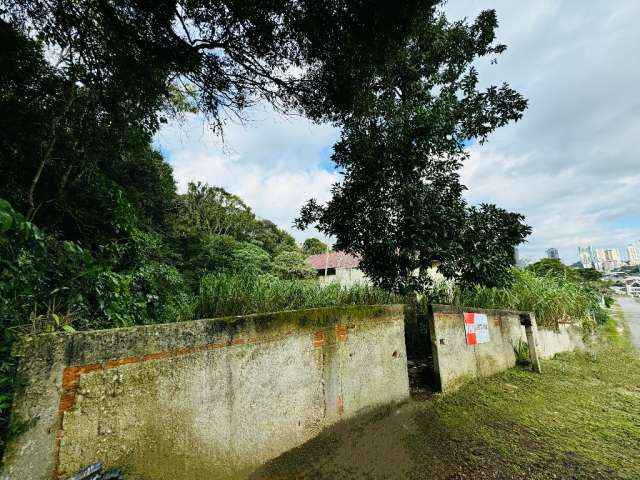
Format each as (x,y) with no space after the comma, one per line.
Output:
(395,354)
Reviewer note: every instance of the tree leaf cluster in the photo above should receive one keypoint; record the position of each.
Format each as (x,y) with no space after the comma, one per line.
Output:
(314,246)
(400,205)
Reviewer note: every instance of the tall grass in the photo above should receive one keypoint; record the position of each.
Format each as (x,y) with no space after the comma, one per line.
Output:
(552,299)
(223,295)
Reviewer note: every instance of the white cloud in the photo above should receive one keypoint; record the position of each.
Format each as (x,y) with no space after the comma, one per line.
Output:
(572,164)
(274,163)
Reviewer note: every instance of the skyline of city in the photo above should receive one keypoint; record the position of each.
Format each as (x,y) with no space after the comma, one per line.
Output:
(611,256)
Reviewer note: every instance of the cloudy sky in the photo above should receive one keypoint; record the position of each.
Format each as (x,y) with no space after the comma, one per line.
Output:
(572,164)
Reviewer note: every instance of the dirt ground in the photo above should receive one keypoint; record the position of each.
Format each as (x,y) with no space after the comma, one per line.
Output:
(580,419)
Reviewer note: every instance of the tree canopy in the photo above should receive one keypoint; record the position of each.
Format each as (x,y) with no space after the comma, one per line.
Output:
(307,55)
(314,246)
(554,267)
(400,205)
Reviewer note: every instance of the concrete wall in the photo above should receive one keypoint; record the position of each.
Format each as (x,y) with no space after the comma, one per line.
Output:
(568,337)
(456,362)
(204,399)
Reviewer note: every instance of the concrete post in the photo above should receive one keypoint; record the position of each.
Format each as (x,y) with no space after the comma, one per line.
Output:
(528,320)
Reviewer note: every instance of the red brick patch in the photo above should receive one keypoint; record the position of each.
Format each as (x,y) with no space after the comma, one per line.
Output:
(318,338)
(340,404)
(341,333)
(121,361)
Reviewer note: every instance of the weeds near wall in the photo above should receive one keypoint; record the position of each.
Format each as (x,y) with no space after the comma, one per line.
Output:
(222,295)
(552,299)
(522,353)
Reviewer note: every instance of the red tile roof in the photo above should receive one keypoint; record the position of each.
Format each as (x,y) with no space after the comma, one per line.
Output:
(334,260)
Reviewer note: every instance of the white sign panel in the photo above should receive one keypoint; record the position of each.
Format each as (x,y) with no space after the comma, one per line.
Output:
(476,328)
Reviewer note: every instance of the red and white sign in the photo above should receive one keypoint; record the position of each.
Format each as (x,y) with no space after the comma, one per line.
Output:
(476,328)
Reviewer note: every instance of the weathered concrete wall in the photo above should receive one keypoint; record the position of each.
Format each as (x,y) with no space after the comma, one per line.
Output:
(568,337)
(203,399)
(456,362)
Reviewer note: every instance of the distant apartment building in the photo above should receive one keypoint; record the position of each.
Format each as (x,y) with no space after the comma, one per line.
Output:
(633,251)
(613,257)
(586,257)
(602,259)
(553,253)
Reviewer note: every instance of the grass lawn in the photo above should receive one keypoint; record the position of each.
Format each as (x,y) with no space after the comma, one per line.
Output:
(579,419)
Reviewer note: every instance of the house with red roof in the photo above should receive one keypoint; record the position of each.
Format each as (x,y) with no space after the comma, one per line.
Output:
(338,267)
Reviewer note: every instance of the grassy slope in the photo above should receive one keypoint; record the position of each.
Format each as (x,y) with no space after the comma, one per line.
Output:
(580,419)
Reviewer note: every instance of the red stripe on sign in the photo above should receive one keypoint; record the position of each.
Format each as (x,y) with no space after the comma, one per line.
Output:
(469,317)
(471,338)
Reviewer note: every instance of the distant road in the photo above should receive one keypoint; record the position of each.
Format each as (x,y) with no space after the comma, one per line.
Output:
(631,309)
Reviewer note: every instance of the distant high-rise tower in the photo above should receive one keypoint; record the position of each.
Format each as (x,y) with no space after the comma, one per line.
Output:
(612,254)
(586,257)
(608,259)
(553,253)
(634,254)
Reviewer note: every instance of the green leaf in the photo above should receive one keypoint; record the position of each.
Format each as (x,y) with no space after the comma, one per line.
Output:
(5,206)
(6,220)
(69,329)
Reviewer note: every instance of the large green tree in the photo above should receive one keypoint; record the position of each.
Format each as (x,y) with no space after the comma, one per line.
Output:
(217,231)
(268,236)
(400,204)
(207,210)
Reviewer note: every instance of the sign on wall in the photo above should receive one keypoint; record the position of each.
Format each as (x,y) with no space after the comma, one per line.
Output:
(476,328)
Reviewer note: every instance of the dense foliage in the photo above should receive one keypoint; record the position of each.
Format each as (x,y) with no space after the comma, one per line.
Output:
(303,54)
(314,246)
(557,295)
(400,204)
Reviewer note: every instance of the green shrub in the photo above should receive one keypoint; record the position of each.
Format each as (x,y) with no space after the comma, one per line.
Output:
(251,259)
(522,353)
(223,294)
(292,265)
(608,301)
(552,298)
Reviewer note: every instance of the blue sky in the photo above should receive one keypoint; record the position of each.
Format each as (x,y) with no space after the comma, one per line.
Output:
(571,166)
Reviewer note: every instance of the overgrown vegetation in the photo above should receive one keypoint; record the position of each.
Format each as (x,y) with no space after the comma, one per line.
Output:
(554,295)
(222,295)
(522,353)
